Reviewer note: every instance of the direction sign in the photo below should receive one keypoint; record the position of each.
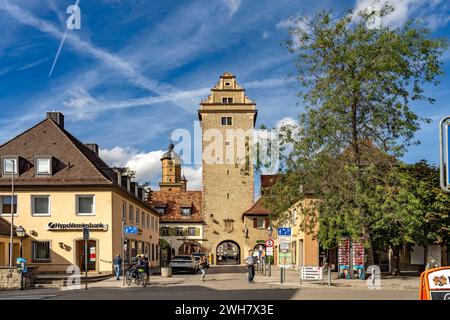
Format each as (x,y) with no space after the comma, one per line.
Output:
(85,233)
(269,243)
(131,230)
(284,231)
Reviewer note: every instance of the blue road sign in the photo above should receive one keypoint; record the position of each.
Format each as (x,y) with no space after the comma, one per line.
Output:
(284,231)
(131,230)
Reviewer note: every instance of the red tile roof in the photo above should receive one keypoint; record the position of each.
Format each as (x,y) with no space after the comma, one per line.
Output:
(174,201)
(257,209)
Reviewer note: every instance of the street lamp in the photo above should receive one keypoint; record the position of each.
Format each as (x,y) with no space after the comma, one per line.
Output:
(270,233)
(21,233)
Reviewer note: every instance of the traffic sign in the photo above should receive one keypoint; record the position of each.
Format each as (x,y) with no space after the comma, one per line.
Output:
(131,230)
(85,233)
(284,231)
(269,251)
(269,243)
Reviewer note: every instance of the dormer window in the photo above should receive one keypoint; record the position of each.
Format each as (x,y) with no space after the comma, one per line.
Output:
(186,209)
(227,100)
(10,165)
(43,165)
(160,210)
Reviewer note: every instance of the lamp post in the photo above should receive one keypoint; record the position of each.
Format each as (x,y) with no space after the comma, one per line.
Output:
(270,233)
(20,232)
(11,240)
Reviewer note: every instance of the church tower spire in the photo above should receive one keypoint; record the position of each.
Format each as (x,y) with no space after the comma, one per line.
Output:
(171,179)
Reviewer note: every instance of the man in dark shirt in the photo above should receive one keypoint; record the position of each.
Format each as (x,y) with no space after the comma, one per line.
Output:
(117,263)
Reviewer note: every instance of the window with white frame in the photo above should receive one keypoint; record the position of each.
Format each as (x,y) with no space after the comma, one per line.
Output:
(131,214)
(124,211)
(10,165)
(41,251)
(85,205)
(40,205)
(43,166)
(5,202)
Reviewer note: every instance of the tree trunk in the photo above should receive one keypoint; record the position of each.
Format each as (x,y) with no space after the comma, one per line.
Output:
(396,264)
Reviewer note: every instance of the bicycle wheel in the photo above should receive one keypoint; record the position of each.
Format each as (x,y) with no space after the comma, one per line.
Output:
(143,280)
(128,277)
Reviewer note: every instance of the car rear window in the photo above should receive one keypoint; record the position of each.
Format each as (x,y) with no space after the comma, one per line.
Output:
(182,258)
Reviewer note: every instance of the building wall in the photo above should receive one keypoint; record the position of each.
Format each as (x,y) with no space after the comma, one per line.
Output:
(303,246)
(148,235)
(4,250)
(227,191)
(175,241)
(255,236)
(108,210)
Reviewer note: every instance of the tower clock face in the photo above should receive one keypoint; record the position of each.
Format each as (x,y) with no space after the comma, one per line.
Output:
(170,163)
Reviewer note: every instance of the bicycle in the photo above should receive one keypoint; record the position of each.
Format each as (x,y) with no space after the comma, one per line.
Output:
(139,276)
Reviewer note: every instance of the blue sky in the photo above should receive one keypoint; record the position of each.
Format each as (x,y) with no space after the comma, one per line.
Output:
(137,69)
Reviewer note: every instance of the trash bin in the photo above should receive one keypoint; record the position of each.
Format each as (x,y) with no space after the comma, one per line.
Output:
(166,272)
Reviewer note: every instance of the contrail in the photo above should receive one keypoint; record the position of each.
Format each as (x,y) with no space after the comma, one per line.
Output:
(60,46)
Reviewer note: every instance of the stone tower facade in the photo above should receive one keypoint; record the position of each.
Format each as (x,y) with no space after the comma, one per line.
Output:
(171,179)
(227,120)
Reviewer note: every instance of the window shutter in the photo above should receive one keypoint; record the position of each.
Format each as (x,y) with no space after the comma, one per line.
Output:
(266,223)
(255,223)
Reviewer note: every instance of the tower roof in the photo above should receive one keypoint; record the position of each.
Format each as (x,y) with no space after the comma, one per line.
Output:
(171,154)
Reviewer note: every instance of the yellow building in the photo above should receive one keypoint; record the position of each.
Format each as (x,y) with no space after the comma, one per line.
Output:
(62,185)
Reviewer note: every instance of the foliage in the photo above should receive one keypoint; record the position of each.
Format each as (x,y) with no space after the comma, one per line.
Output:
(358,86)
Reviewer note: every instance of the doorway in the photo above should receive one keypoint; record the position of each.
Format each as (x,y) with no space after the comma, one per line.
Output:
(228,253)
(92,255)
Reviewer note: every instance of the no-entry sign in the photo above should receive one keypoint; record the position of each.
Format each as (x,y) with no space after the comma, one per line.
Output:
(269,243)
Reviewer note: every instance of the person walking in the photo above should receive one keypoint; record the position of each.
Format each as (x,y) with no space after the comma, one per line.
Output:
(117,263)
(250,263)
(203,265)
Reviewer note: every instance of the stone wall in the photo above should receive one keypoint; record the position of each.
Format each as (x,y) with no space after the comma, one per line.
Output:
(10,278)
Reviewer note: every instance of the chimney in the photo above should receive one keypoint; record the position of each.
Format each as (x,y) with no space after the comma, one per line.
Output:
(56,117)
(93,147)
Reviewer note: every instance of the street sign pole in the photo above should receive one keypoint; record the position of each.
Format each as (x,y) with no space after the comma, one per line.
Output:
(86,240)
(444,153)
(123,252)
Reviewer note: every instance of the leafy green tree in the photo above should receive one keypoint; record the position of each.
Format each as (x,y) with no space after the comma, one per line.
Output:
(357,87)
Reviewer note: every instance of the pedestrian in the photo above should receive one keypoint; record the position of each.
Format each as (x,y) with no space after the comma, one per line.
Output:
(147,266)
(117,263)
(250,263)
(203,265)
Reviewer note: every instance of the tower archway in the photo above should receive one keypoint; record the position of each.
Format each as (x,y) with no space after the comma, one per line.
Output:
(228,252)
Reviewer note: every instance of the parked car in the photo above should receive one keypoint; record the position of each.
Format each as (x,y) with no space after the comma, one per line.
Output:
(184,263)
(197,257)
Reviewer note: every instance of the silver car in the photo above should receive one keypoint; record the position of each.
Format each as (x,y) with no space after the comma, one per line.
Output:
(183,263)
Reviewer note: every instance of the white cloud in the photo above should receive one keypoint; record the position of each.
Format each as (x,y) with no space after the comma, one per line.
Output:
(430,11)
(147,165)
(233,6)
(265,35)
(287,121)
(194,177)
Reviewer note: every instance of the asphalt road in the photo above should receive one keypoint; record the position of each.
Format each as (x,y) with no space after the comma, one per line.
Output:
(223,283)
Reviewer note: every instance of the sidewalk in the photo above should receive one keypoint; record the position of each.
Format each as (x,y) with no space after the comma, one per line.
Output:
(292,280)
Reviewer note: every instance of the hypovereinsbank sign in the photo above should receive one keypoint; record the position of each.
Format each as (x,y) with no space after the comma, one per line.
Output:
(57,226)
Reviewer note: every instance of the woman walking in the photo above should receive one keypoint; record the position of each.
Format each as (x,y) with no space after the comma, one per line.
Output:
(202,265)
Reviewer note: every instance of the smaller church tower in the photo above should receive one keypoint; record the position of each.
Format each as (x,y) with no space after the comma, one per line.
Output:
(171,172)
